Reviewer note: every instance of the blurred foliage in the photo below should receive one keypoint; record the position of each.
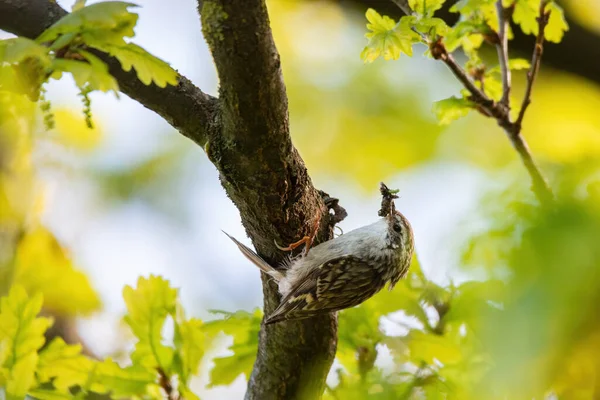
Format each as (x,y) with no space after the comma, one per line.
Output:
(243,327)
(527,329)
(60,371)
(65,48)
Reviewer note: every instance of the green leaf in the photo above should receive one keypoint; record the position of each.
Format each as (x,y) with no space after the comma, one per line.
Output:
(16,50)
(525,15)
(451,109)
(426,7)
(29,62)
(22,376)
(467,7)
(48,394)
(147,67)
(21,335)
(42,265)
(148,306)
(244,328)
(94,75)
(124,382)
(386,38)
(189,345)
(20,328)
(433,27)
(226,369)
(472,300)
(514,64)
(466,33)
(427,347)
(110,19)
(557,24)
(65,364)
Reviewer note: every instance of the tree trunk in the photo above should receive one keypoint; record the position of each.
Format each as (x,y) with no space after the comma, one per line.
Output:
(245,133)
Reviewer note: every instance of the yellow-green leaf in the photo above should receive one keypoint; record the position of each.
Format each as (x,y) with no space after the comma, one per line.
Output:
(147,67)
(65,364)
(124,382)
(427,347)
(426,7)
(525,15)
(20,328)
(386,38)
(95,75)
(189,344)
(21,377)
(244,327)
(226,369)
(451,109)
(148,306)
(111,19)
(16,50)
(557,24)
(41,265)
(48,394)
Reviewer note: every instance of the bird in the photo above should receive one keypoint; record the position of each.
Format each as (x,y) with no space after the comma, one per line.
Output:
(342,272)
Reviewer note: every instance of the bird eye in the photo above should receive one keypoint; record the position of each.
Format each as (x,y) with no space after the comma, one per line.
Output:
(397,227)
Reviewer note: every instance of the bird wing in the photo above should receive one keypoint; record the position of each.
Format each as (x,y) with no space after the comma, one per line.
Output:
(336,284)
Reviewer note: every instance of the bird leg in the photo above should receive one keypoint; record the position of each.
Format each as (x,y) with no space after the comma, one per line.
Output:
(307,241)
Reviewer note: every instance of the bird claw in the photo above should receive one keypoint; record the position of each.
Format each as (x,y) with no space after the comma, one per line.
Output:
(295,245)
(307,241)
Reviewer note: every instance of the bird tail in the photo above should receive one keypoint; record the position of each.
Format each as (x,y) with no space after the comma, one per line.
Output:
(256,259)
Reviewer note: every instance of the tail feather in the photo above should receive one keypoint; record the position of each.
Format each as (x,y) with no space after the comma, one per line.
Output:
(256,259)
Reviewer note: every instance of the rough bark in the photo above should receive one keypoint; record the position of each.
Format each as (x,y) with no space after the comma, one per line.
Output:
(265,177)
(246,135)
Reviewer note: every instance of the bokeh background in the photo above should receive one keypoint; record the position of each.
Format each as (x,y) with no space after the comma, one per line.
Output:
(132,197)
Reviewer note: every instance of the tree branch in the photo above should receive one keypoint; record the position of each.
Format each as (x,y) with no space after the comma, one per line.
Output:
(188,109)
(501,111)
(266,179)
(535,61)
(502,48)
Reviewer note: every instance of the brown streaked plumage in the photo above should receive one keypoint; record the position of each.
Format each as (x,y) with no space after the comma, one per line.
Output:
(342,272)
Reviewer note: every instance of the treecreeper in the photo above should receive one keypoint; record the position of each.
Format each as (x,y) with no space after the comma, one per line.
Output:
(342,272)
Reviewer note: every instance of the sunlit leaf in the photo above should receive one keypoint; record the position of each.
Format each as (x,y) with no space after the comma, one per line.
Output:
(243,327)
(148,68)
(148,306)
(48,394)
(16,50)
(525,15)
(96,76)
(189,344)
(386,38)
(124,382)
(42,266)
(64,365)
(426,7)
(451,109)
(21,335)
(427,347)
(557,24)
(112,18)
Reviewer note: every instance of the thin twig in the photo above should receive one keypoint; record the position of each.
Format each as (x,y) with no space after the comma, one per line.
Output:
(165,383)
(502,47)
(535,61)
(500,111)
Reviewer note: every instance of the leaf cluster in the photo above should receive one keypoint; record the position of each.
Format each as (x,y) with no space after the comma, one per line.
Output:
(74,45)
